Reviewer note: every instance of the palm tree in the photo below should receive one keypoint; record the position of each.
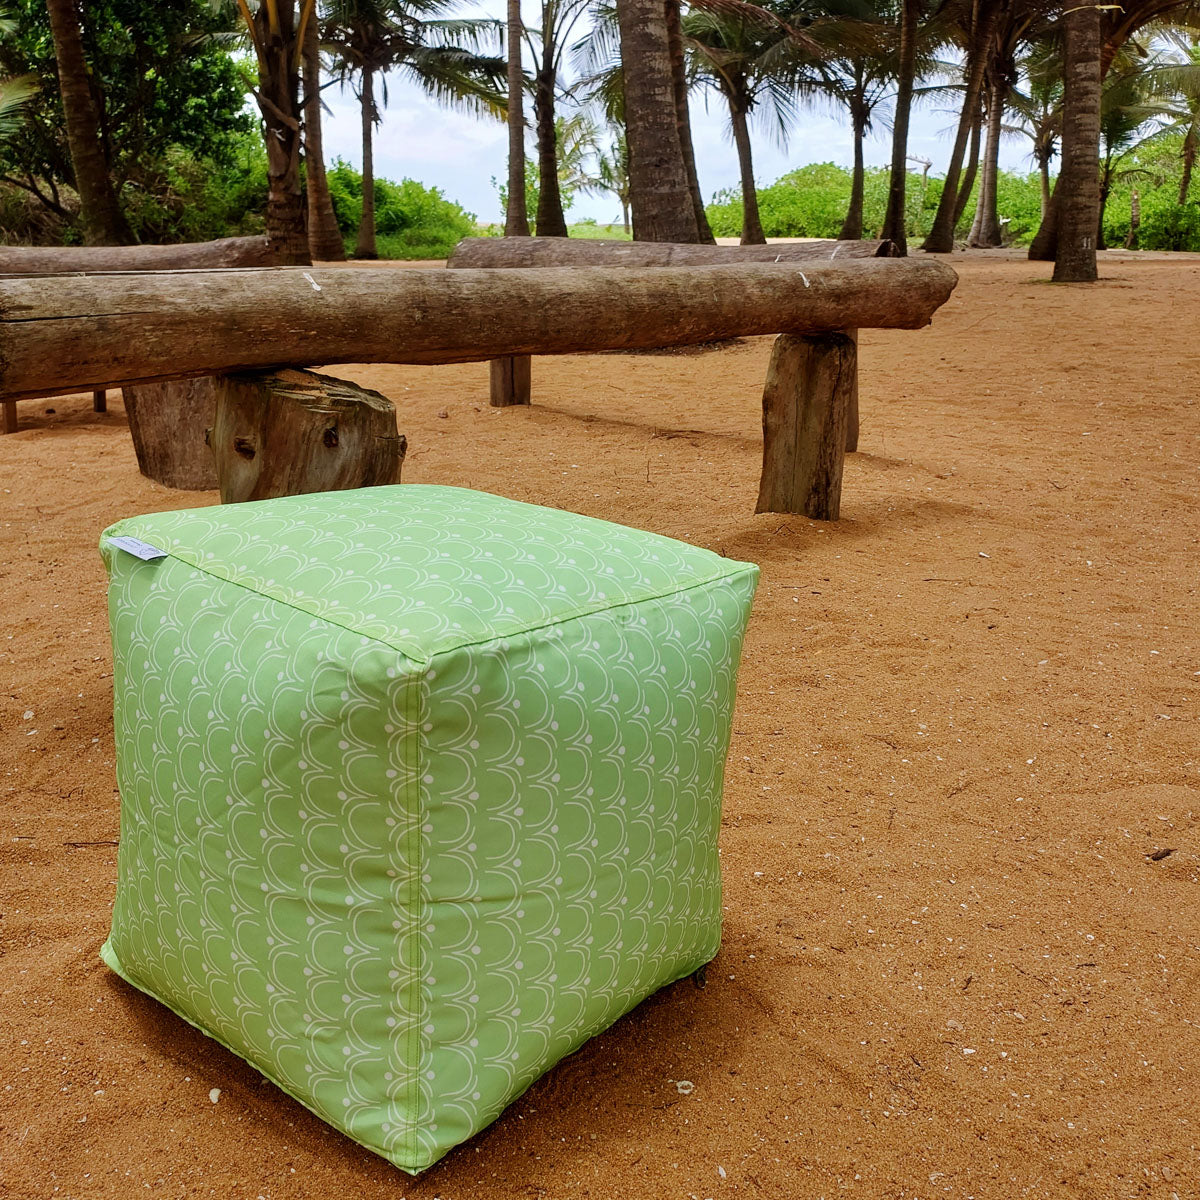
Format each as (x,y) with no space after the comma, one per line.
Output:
(977,24)
(597,57)
(1176,81)
(277,30)
(1131,116)
(558,19)
(1020,23)
(516,218)
(14,92)
(1118,24)
(660,191)
(370,37)
(1075,259)
(324,237)
(910,12)
(103,222)
(611,175)
(1037,112)
(750,58)
(855,71)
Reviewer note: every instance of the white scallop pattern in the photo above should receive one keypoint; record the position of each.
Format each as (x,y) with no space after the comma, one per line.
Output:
(420,789)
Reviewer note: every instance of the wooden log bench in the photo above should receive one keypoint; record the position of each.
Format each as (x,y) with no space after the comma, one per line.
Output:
(511,380)
(166,463)
(69,333)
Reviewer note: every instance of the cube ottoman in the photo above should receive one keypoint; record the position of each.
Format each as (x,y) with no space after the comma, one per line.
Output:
(420,788)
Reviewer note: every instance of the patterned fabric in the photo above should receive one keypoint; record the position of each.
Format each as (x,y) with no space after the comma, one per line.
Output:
(420,789)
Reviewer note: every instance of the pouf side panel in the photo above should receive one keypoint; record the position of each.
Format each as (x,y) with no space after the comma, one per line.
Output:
(573,780)
(269,840)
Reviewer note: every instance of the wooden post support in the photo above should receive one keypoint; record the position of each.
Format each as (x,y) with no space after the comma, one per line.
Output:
(169,423)
(852,415)
(286,432)
(10,416)
(100,400)
(806,404)
(511,380)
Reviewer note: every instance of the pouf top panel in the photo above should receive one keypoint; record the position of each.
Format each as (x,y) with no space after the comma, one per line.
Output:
(426,569)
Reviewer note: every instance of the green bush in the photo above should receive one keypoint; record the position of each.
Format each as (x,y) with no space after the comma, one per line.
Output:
(192,199)
(1019,199)
(411,221)
(1166,225)
(812,202)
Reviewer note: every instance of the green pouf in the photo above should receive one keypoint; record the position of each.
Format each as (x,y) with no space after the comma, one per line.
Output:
(420,789)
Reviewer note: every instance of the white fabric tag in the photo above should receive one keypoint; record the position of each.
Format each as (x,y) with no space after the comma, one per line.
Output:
(137,548)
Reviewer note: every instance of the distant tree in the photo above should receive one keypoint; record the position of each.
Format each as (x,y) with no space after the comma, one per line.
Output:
(1075,260)
(103,222)
(1131,117)
(516,216)
(158,79)
(976,26)
(1176,84)
(660,191)
(277,29)
(855,71)
(1036,113)
(372,37)
(611,175)
(548,46)
(324,237)
(909,19)
(747,55)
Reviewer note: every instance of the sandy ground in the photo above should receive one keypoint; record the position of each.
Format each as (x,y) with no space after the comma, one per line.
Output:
(967,721)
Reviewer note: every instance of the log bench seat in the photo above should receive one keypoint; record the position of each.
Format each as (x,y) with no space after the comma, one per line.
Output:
(65,333)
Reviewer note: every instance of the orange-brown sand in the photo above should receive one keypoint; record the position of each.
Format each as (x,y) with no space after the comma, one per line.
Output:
(966,730)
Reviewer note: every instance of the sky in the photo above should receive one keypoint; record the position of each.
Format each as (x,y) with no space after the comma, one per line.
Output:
(460,154)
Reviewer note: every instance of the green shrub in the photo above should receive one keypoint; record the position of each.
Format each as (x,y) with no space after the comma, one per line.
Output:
(812,202)
(411,221)
(190,199)
(1166,225)
(1019,198)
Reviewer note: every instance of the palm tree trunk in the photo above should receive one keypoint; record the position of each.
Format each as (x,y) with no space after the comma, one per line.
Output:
(852,225)
(660,193)
(985,232)
(279,102)
(516,218)
(968,178)
(941,233)
(1078,186)
(550,220)
(752,230)
(894,223)
(683,121)
(365,247)
(103,222)
(1045,241)
(1043,162)
(1105,189)
(324,237)
(1189,161)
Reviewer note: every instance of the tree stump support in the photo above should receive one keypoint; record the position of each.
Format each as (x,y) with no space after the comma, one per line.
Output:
(169,423)
(100,400)
(852,415)
(511,379)
(806,407)
(287,432)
